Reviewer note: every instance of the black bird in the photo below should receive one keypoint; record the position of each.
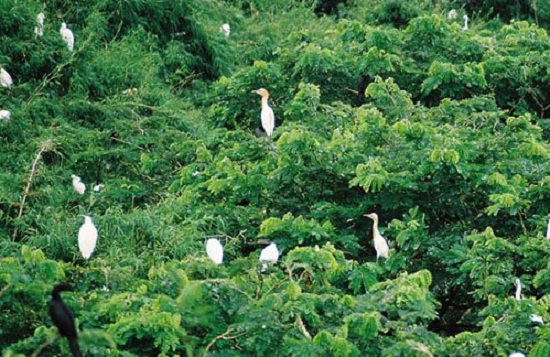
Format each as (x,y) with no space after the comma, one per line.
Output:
(63,318)
(364,82)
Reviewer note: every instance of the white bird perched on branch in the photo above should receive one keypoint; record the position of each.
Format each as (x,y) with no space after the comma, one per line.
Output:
(452,15)
(67,36)
(78,185)
(98,187)
(267,116)
(87,237)
(226,29)
(380,244)
(518,289)
(214,250)
(5,114)
(517,354)
(5,78)
(466,19)
(269,254)
(39,30)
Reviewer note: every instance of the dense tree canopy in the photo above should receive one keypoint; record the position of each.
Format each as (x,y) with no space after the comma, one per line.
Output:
(449,147)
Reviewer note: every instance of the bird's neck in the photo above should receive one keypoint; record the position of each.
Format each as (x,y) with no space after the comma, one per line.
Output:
(375,231)
(264,101)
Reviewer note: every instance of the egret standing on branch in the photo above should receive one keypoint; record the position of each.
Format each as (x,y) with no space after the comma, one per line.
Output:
(63,318)
(226,29)
(5,114)
(267,116)
(39,30)
(78,185)
(67,36)
(380,244)
(5,78)
(518,289)
(269,254)
(452,15)
(214,250)
(87,238)
(466,19)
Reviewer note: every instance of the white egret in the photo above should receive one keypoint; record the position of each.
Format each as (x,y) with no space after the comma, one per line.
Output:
(67,36)
(452,15)
(226,29)
(466,19)
(78,185)
(380,244)
(87,237)
(517,354)
(5,114)
(5,78)
(269,254)
(518,289)
(536,318)
(267,116)
(98,187)
(39,30)
(214,249)
(548,230)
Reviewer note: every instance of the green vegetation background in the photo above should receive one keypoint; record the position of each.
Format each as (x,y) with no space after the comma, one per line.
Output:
(450,149)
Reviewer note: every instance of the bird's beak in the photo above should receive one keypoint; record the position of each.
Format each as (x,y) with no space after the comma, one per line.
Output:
(254,91)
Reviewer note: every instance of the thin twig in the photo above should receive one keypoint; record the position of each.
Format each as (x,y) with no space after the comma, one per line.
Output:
(223,336)
(4,289)
(42,346)
(302,327)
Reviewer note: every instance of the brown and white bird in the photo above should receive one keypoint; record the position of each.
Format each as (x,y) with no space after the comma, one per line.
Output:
(380,244)
(266,115)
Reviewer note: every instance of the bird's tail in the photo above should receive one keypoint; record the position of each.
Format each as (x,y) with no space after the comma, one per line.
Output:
(73,345)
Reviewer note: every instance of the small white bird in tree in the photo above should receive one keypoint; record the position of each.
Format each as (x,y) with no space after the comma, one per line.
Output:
(78,185)
(452,15)
(5,114)
(214,250)
(517,354)
(267,116)
(518,289)
(39,29)
(466,19)
(87,237)
(269,254)
(536,318)
(226,29)
(5,78)
(98,187)
(380,244)
(67,36)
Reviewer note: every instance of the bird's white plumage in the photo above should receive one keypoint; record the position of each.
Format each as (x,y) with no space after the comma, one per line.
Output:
(98,187)
(214,250)
(5,78)
(466,19)
(270,253)
(78,185)
(87,237)
(517,354)
(67,36)
(380,244)
(518,289)
(452,15)
(267,116)
(548,230)
(226,29)
(39,29)
(5,114)
(536,318)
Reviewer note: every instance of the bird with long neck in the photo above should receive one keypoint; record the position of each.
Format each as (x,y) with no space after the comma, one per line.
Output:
(63,318)
(267,116)
(380,244)
(518,289)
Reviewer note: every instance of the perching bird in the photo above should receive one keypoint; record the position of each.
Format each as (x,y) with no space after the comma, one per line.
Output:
(517,354)
(548,230)
(452,15)
(63,318)
(98,187)
(5,78)
(269,254)
(78,185)
(518,289)
(87,237)
(536,318)
(226,29)
(466,18)
(67,36)
(39,30)
(214,249)
(364,82)
(5,114)
(267,116)
(130,91)
(380,244)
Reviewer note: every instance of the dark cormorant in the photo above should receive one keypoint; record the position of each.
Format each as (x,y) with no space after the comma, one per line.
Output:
(63,318)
